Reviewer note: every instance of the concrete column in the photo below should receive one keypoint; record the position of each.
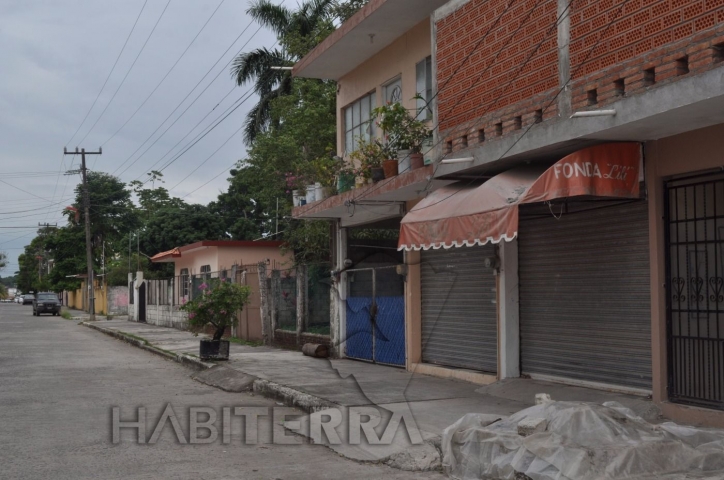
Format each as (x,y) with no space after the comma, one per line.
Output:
(137,293)
(131,294)
(564,59)
(265,305)
(413,310)
(301,301)
(508,311)
(657,264)
(338,293)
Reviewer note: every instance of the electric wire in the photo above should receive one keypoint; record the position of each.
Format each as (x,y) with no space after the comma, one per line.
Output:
(165,76)
(190,104)
(560,90)
(143,47)
(109,73)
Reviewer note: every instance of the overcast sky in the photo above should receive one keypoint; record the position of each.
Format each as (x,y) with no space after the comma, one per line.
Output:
(55,57)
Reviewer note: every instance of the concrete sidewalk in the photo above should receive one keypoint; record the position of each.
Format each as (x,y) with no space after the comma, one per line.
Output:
(313,384)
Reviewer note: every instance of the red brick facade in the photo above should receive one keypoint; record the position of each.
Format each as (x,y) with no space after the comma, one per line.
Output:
(617,47)
(648,42)
(495,76)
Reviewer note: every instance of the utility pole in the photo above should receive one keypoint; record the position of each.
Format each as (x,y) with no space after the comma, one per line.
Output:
(86,209)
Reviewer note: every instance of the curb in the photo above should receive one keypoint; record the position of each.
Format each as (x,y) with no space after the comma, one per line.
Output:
(186,360)
(290,397)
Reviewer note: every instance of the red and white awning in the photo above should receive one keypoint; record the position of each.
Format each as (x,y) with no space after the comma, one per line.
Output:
(460,215)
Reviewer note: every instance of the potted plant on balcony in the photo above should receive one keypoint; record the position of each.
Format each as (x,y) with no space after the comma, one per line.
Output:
(369,156)
(345,177)
(325,168)
(404,133)
(216,305)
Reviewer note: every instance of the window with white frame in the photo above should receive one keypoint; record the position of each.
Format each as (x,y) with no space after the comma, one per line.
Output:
(205,269)
(358,122)
(423,78)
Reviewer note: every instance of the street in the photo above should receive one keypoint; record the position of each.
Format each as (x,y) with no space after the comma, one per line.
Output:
(59,382)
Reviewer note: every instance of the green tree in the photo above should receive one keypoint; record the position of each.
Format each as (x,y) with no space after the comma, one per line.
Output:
(175,226)
(297,32)
(112,213)
(3,261)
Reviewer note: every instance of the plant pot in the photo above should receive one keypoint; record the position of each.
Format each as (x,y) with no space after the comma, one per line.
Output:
(214,349)
(324,192)
(296,198)
(318,193)
(359,182)
(390,168)
(378,173)
(416,161)
(403,161)
(311,194)
(345,183)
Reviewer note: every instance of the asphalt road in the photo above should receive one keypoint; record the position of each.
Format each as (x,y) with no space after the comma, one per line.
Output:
(59,382)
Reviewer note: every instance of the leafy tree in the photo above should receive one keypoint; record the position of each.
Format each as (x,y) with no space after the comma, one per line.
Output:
(112,213)
(297,32)
(3,260)
(175,226)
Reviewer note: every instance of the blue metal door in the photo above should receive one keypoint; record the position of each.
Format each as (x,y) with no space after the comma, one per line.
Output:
(376,316)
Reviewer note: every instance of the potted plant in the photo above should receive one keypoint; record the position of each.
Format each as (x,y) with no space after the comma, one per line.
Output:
(369,156)
(295,185)
(345,176)
(216,305)
(324,168)
(404,133)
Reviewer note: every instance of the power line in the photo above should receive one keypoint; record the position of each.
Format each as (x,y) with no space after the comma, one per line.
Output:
(109,74)
(167,74)
(127,73)
(190,105)
(206,133)
(560,90)
(212,179)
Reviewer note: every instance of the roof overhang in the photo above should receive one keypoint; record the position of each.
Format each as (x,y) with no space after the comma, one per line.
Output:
(373,203)
(171,255)
(374,27)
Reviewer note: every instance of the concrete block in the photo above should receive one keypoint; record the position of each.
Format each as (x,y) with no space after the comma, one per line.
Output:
(529,426)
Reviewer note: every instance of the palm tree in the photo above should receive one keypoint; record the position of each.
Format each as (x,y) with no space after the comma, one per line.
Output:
(298,32)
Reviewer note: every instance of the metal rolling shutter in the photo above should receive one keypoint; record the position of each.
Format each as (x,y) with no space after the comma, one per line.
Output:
(459,314)
(584,295)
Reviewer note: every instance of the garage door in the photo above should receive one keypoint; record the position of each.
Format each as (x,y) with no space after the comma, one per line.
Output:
(584,293)
(459,315)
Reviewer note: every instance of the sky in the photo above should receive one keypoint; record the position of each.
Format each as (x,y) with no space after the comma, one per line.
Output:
(56,56)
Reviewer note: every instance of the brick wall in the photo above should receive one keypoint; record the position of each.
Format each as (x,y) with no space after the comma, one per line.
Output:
(649,43)
(504,92)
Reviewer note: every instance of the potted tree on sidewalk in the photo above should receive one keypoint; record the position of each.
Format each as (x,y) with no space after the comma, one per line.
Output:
(216,305)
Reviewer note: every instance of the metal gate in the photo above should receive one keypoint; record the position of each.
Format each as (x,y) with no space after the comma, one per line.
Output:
(584,286)
(376,315)
(695,290)
(459,311)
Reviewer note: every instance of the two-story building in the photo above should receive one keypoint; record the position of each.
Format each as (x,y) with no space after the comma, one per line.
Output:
(568,227)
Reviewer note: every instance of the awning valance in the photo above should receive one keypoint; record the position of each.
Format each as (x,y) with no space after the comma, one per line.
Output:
(462,215)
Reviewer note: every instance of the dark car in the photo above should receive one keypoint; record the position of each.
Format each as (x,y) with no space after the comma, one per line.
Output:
(28,298)
(46,303)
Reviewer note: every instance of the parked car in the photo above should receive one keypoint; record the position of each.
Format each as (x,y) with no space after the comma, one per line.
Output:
(28,299)
(19,299)
(47,302)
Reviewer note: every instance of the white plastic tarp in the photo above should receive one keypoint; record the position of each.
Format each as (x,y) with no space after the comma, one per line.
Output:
(582,441)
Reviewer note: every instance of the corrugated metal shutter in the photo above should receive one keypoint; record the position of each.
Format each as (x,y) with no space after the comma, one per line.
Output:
(584,294)
(459,314)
